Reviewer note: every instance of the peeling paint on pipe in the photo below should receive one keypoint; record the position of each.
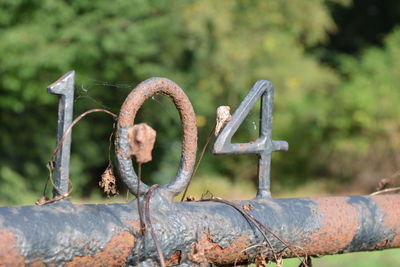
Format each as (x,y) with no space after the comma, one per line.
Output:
(195,232)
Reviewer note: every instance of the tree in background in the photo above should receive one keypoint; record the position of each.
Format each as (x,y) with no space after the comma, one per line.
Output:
(215,50)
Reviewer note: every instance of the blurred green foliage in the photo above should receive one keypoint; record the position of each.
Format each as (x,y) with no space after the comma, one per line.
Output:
(336,109)
(388,257)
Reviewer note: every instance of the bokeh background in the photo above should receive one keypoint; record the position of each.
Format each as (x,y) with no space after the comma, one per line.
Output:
(335,65)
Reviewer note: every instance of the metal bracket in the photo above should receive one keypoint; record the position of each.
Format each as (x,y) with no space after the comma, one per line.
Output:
(264,145)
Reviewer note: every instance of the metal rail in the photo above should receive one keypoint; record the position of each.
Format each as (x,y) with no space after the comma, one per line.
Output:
(195,232)
(209,231)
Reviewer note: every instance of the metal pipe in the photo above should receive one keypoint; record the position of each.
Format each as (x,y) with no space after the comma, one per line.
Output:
(196,232)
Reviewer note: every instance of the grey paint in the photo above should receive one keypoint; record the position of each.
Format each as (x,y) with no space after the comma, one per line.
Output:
(64,87)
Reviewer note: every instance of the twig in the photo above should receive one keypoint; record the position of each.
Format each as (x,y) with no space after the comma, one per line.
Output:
(142,226)
(244,214)
(127,196)
(141,221)
(385,191)
(203,150)
(148,219)
(50,167)
(387,180)
(43,200)
(257,223)
(307,262)
(289,247)
(110,143)
(108,181)
(75,122)
(50,164)
(248,248)
(277,237)
(203,195)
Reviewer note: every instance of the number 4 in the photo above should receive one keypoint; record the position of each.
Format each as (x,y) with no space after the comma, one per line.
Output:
(263,145)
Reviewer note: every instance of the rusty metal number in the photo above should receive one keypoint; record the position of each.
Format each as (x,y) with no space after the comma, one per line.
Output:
(264,145)
(189,143)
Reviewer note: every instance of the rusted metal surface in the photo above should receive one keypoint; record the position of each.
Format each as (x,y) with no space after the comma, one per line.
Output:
(391,208)
(115,252)
(205,250)
(343,222)
(127,120)
(175,259)
(197,232)
(62,233)
(10,253)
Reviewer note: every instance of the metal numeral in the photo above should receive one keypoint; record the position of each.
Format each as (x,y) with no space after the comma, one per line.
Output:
(64,87)
(263,145)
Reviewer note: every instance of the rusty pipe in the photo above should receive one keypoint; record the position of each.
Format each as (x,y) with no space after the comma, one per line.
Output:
(196,232)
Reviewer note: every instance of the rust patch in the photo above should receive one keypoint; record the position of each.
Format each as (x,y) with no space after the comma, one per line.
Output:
(206,250)
(175,258)
(339,224)
(162,85)
(41,264)
(135,225)
(115,252)
(390,204)
(9,251)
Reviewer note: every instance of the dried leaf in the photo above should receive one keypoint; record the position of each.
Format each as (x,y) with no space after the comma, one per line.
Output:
(108,182)
(223,116)
(141,141)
